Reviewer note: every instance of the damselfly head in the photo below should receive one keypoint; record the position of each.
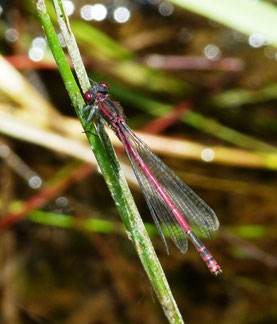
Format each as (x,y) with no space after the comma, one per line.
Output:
(91,94)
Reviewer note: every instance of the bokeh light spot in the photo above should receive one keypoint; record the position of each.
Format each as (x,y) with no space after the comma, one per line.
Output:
(212,52)
(256,40)
(207,155)
(35,182)
(36,54)
(69,7)
(166,8)
(121,14)
(12,35)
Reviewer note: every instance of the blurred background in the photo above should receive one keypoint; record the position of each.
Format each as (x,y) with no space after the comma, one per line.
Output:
(203,96)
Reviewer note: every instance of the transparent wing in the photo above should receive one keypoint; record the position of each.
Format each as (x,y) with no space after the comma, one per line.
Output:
(194,210)
(158,208)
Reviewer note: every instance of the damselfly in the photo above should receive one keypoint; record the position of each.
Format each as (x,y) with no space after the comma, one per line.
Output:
(171,202)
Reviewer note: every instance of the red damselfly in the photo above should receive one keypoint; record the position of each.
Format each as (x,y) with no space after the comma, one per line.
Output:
(171,202)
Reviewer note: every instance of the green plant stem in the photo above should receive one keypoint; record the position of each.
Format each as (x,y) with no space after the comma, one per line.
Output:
(107,161)
(107,227)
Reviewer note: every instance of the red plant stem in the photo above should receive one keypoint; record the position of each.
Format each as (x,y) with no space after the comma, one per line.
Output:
(43,197)
(193,63)
(22,62)
(160,124)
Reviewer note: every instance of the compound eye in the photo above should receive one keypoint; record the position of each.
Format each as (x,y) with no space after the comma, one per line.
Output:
(105,85)
(88,96)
